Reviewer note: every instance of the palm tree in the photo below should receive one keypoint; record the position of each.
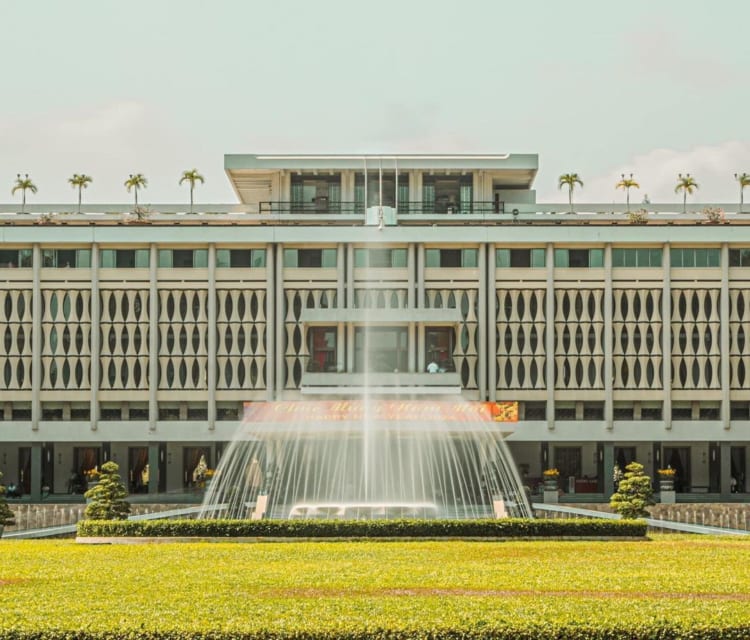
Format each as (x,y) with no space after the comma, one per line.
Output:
(192,176)
(23,184)
(744,180)
(80,181)
(687,185)
(627,184)
(135,182)
(570,180)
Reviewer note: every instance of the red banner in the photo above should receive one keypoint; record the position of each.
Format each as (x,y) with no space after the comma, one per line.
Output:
(386,410)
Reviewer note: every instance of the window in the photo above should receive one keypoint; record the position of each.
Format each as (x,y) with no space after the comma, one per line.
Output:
(709,412)
(739,411)
(565,412)
(694,257)
(183,258)
(52,413)
(380,258)
(451,258)
(310,258)
(579,258)
(593,411)
(623,412)
(124,258)
(388,192)
(447,193)
(110,413)
(21,413)
(636,257)
(80,413)
(311,193)
(534,410)
(519,258)
(380,349)
(651,413)
(739,257)
(682,412)
(321,343)
(11,258)
(439,344)
(241,258)
(138,413)
(63,258)
(227,412)
(197,413)
(169,413)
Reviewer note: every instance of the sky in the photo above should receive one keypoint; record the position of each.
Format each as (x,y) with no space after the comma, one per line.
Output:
(594,87)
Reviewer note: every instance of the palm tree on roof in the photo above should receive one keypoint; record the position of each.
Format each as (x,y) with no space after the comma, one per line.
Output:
(744,180)
(191,176)
(687,185)
(23,185)
(627,184)
(80,181)
(135,182)
(569,180)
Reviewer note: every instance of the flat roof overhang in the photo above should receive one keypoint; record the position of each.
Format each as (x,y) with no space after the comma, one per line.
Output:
(516,170)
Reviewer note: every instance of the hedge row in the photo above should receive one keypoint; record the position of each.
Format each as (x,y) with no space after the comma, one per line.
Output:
(495,528)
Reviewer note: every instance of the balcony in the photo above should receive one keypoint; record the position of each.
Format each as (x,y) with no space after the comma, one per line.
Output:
(395,383)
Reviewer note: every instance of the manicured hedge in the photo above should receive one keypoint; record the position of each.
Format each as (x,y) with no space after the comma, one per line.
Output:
(494,528)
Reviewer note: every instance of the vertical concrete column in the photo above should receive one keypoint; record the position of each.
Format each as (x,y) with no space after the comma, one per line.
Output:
(608,393)
(482,322)
(153,346)
(477,186)
(349,305)
(491,321)
(340,275)
(95,339)
(608,464)
(549,339)
(280,326)
(36,338)
(411,269)
(666,335)
(270,322)
(341,347)
(153,468)
(421,364)
(724,337)
(349,278)
(36,472)
(211,342)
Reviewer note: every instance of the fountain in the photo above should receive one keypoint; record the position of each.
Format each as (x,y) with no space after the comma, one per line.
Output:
(367,458)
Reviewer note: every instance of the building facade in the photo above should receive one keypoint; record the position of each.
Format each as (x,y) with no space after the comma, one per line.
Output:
(416,276)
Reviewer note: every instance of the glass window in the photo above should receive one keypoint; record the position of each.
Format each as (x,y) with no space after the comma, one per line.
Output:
(439,345)
(596,258)
(107,257)
(8,258)
(502,258)
(432,257)
(714,257)
(26,257)
(695,257)
(561,258)
(200,258)
(739,257)
(636,257)
(380,349)
(469,258)
(290,258)
(321,342)
(165,258)
(328,258)
(222,258)
(538,258)
(258,258)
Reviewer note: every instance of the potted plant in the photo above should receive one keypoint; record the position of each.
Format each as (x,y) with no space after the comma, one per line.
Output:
(550,479)
(638,217)
(714,215)
(6,515)
(666,479)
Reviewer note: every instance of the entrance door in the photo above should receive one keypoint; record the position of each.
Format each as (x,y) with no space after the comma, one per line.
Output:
(48,467)
(138,471)
(679,459)
(24,469)
(568,462)
(624,456)
(738,469)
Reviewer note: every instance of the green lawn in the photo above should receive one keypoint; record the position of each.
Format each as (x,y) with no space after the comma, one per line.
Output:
(362,589)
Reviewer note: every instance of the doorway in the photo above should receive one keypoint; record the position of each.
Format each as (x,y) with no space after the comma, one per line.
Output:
(679,459)
(192,458)
(568,462)
(24,469)
(138,471)
(738,469)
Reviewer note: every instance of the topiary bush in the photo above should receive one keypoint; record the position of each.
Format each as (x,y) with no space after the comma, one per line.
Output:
(634,493)
(107,496)
(490,528)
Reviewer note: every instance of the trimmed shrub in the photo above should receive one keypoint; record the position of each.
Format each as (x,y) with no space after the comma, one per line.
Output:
(633,495)
(495,528)
(108,496)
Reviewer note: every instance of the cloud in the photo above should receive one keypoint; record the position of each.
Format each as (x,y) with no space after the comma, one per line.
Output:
(712,166)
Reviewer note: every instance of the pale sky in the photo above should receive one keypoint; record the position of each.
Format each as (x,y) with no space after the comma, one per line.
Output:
(595,87)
